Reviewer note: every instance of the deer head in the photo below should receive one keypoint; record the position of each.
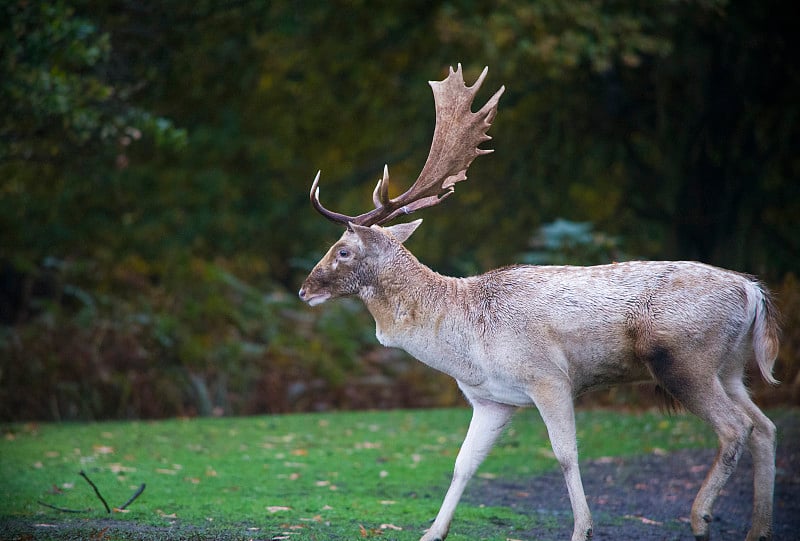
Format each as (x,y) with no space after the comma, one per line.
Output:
(355,258)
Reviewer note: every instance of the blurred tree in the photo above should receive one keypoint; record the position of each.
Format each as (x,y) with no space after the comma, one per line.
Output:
(64,124)
(670,127)
(672,124)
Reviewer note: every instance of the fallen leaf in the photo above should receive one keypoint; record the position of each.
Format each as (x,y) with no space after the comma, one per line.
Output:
(278,508)
(368,445)
(103,449)
(644,520)
(391,527)
(369,533)
(101,534)
(119,468)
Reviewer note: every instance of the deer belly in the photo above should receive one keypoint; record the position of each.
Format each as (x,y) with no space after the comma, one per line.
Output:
(496,391)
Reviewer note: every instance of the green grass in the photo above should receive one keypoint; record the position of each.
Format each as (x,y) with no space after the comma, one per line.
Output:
(321,476)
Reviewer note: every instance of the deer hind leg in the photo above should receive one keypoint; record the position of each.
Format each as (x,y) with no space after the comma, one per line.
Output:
(703,394)
(762,447)
(488,421)
(553,399)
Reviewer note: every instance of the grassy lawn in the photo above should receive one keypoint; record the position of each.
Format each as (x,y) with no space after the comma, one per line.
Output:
(316,476)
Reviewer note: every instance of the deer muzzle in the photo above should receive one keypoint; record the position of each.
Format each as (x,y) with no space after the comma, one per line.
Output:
(312,298)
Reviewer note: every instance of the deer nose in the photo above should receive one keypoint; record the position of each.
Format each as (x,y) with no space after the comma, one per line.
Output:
(302,293)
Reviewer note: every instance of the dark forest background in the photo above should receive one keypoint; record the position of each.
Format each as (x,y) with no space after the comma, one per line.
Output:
(155,161)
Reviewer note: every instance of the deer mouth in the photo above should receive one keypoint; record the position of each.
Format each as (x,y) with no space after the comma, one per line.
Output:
(313,299)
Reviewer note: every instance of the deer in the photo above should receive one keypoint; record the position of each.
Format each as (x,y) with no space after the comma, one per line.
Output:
(540,336)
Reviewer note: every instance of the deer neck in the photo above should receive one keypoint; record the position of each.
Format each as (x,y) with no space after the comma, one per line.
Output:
(406,299)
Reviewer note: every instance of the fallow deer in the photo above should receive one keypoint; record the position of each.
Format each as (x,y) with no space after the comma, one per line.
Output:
(542,335)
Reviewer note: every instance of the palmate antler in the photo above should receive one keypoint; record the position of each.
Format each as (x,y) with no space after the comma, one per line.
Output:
(456,138)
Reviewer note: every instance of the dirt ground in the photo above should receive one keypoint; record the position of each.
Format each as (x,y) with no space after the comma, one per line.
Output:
(648,498)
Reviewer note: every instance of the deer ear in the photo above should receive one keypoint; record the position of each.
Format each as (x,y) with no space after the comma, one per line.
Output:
(402,231)
(366,235)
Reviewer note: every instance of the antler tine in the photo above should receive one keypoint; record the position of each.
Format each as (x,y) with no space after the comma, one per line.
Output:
(456,138)
(335,217)
(380,196)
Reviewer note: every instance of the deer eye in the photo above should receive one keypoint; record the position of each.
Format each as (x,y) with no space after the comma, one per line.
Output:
(343,253)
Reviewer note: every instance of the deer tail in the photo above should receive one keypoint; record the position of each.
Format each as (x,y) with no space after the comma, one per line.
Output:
(766,331)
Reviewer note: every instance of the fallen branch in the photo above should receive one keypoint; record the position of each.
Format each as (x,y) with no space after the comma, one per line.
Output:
(100,496)
(96,491)
(132,498)
(62,509)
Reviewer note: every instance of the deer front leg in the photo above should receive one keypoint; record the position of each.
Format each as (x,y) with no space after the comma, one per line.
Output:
(488,421)
(553,399)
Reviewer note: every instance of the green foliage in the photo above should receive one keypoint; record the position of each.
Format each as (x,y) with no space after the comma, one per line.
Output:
(155,161)
(185,336)
(569,243)
(58,98)
(65,124)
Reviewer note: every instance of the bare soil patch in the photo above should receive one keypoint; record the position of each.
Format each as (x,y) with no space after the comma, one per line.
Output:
(649,497)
